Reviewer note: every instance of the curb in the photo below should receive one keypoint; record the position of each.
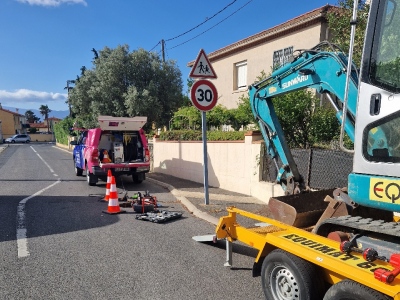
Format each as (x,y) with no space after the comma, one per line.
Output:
(191,208)
(2,147)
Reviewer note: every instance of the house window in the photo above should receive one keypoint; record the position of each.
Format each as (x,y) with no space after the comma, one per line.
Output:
(282,56)
(241,75)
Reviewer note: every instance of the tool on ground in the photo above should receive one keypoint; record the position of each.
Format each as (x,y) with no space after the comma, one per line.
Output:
(144,203)
(159,216)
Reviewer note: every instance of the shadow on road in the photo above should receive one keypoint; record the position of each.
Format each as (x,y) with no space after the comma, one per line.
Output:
(47,215)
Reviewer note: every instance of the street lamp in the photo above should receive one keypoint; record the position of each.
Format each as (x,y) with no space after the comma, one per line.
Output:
(68,88)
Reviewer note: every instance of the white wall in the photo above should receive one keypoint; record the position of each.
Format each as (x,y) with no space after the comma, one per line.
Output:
(233,165)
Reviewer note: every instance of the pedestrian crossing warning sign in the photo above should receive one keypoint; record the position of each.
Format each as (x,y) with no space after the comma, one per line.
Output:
(202,68)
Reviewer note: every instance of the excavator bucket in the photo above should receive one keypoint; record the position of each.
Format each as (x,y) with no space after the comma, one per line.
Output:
(300,210)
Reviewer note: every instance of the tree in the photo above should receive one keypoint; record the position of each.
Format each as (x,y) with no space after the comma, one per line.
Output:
(242,115)
(31,117)
(294,111)
(127,84)
(217,117)
(187,117)
(339,26)
(44,111)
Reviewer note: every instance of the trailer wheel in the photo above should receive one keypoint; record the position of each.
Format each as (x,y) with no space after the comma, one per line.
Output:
(350,290)
(90,178)
(288,277)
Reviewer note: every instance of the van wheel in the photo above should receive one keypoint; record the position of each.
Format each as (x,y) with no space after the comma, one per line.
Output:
(90,178)
(351,290)
(78,171)
(285,276)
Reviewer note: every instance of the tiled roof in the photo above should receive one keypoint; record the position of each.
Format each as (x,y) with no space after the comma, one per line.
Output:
(38,125)
(12,112)
(313,17)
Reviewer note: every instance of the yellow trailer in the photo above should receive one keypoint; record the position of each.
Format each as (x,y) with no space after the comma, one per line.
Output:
(298,264)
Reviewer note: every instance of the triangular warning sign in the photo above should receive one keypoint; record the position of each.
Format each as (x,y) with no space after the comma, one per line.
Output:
(202,68)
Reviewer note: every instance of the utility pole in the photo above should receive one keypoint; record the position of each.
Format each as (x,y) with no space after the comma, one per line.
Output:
(68,88)
(163,50)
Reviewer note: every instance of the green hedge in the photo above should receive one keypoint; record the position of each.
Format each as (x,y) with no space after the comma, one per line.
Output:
(62,130)
(196,135)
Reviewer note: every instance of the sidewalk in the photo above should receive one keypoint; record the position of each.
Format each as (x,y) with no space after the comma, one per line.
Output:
(192,196)
(2,147)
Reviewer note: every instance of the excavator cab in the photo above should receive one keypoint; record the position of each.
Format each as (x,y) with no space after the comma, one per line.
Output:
(374,181)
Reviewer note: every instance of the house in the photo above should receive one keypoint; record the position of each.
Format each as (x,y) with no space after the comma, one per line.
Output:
(238,65)
(46,126)
(52,121)
(12,122)
(40,127)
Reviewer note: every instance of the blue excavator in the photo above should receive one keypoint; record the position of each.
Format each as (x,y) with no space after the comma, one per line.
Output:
(341,244)
(367,104)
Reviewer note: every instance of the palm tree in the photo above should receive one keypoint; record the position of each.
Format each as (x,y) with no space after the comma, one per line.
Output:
(44,111)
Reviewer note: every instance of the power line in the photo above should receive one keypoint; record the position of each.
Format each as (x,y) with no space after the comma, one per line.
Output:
(208,19)
(210,27)
(154,47)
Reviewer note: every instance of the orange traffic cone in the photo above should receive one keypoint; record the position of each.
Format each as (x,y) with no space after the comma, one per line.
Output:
(107,196)
(106,157)
(113,206)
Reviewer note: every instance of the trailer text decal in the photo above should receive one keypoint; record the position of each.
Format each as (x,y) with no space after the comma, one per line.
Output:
(350,259)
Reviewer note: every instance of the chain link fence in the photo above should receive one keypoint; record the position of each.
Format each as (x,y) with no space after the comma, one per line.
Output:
(320,168)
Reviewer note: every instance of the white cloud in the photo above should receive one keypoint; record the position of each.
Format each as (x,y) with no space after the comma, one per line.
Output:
(24,98)
(53,2)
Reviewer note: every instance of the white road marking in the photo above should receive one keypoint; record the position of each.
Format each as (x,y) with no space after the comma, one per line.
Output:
(51,170)
(22,241)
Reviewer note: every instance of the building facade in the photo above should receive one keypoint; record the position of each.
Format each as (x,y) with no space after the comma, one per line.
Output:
(12,123)
(239,64)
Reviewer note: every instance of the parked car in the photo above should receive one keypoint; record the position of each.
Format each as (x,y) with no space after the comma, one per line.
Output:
(19,138)
(119,145)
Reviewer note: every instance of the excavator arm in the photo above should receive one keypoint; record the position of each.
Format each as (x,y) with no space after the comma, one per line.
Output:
(323,71)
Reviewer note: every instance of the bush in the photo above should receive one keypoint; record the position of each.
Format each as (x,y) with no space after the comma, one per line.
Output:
(62,130)
(196,135)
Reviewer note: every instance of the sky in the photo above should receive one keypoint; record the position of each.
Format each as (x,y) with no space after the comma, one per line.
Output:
(44,43)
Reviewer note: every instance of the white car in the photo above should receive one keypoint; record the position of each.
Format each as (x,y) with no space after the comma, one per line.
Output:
(19,138)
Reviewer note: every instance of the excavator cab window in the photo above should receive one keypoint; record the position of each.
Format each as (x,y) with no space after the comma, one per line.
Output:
(385,58)
(382,140)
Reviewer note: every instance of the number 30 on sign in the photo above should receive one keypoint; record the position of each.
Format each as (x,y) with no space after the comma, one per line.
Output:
(204,95)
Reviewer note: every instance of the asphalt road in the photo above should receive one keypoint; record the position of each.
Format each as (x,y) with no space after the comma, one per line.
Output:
(56,243)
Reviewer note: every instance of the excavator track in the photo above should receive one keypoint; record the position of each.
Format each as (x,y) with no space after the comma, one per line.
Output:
(358,224)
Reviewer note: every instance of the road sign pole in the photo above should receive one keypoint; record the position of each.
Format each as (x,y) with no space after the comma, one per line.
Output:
(204,97)
(204,130)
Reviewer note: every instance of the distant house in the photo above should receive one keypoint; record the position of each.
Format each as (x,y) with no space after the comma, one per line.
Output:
(12,122)
(43,128)
(40,127)
(238,65)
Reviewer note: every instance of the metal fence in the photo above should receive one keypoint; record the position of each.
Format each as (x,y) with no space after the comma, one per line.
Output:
(321,169)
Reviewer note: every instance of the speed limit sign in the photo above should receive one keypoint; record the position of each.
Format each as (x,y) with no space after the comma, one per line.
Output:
(204,95)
